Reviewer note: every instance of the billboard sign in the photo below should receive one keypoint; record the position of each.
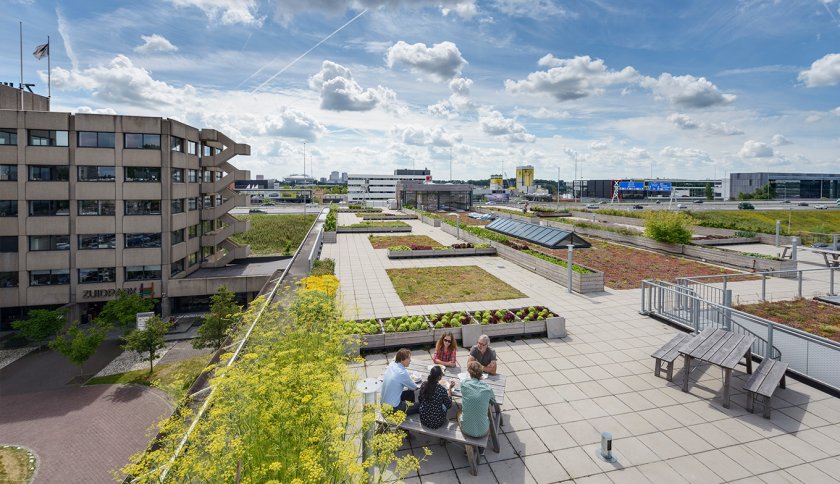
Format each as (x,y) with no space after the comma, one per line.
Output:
(659,186)
(631,185)
(142,319)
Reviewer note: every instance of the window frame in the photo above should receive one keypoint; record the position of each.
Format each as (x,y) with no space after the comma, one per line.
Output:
(52,243)
(12,136)
(11,211)
(99,205)
(148,170)
(9,279)
(53,173)
(153,236)
(9,169)
(178,266)
(128,204)
(8,242)
(176,175)
(54,275)
(143,143)
(150,269)
(102,139)
(52,137)
(176,143)
(99,179)
(100,239)
(109,271)
(54,208)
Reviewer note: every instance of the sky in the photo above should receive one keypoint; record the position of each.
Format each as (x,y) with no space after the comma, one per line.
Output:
(579,89)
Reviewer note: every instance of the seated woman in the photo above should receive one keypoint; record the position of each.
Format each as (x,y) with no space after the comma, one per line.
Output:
(435,400)
(476,397)
(446,350)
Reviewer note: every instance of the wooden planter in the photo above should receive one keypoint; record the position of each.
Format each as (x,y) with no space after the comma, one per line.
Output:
(555,327)
(371,230)
(389,217)
(470,334)
(456,332)
(329,237)
(409,338)
(533,327)
(416,254)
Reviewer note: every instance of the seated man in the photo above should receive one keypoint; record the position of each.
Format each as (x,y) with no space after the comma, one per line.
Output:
(476,397)
(395,380)
(484,354)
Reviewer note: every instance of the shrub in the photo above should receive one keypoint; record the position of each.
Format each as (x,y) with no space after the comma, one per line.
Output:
(332,219)
(327,284)
(323,267)
(670,227)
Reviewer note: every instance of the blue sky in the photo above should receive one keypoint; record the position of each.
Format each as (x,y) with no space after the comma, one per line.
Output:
(614,88)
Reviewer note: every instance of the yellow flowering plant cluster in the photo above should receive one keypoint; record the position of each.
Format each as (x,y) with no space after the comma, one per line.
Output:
(327,284)
(286,411)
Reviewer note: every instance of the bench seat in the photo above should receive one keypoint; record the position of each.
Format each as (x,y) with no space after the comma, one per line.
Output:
(768,375)
(668,353)
(452,433)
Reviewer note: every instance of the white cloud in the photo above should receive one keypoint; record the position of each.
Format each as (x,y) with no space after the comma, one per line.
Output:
(441,110)
(569,79)
(90,110)
(755,149)
(464,9)
(836,111)
(542,113)
(687,91)
(442,61)
(536,9)
(638,154)
(121,82)
(685,154)
(823,72)
(286,10)
(339,92)
(495,124)
(290,123)
(418,136)
(723,129)
(155,43)
(683,121)
(598,146)
(779,140)
(226,12)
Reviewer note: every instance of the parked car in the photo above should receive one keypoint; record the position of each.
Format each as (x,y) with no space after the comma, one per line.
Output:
(593,206)
(820,206)
(697,201)
(786,201)
(681,206)
(638,207)
(256,210)
(803,204)
(746,206)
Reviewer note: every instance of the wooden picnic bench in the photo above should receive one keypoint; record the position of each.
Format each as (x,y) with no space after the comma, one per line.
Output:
(721,348)
(451,432)
(826,253)
(668,353)
(768,375)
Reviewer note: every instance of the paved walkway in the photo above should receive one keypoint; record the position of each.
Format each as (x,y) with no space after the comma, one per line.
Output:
(563,393)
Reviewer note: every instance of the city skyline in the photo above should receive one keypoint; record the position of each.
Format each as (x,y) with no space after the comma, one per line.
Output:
(370,86)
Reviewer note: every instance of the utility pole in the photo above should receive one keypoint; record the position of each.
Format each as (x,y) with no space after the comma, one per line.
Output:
(450,164)
(304,159)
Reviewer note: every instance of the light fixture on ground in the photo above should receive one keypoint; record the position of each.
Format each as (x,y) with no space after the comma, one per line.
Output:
(604,451)
(457,224)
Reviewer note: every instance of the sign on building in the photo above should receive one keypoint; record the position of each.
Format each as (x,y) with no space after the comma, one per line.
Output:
(142,319)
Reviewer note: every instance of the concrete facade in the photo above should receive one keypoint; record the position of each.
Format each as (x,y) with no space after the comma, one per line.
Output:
(91,204)
(787,185)
(376,190)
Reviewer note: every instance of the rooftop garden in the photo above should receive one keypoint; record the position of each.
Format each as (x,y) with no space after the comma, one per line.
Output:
(449,284)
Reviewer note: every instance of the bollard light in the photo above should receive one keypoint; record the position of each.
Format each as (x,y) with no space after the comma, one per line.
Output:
(605,451)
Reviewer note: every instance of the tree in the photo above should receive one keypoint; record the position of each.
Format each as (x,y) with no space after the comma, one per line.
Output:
(710,192)
(122,311)
(41,324)
(78,344)
(148,341)
(215,326)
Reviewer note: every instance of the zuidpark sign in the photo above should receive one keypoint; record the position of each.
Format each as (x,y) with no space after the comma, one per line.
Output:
(143,291)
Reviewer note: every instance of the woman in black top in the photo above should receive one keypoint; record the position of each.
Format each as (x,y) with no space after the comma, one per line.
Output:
(435,400)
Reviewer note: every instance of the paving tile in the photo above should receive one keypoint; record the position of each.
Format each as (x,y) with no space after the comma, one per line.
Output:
(629,475)
(577,462)
(538,417)
(437,462)
(661,419)
(724,466)
(594,479)
(713,435)
(588,408)
(583,432)
(663,446)
(545,468)
(448,477)
(526,442)
(563,412)
(774,453)
(634,451)
(546,395)
(799,447)
(693,470)
(688,440)
(660,472)
(555,437)
(511,471)
(484,476)
(570,392)
(522,399)
(779,477)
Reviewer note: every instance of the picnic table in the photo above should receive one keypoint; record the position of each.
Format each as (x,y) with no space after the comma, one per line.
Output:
(720,348)
(495,382)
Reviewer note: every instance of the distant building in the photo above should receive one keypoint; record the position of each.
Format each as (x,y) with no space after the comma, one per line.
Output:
(260,177)
(343,177)
(376,190)
(524,178)
(335,176)
(434,197)
(786,185)
(304,179)
(647,188)
(406,172)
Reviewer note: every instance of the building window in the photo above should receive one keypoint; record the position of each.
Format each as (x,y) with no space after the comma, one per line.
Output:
(178,205)
(8,208)
(97,241)
(142,273)
(192,176)
(49,242)
(177,175)
(99,274)
(8,172)
(142,241)
(193,259)
(94,139)
(192,148)
(177,236)
(97,173)
(51,277)
(8,279)
(8,136)
(141,141)
(48,208)
(142,207)
(40,137)
(142,174)
(177,266)
(192,204)
(49,173)
(176,143)
(193,231)
(9,243)
(97,207)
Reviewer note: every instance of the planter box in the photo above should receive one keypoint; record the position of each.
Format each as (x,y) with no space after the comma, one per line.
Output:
(533,327)
(371,230)
(329,237)
(551,214)
(416,254)
(456,332)
(409,338)
(373,341)
(470,334)
(389,217)
(727,241)
(501,330)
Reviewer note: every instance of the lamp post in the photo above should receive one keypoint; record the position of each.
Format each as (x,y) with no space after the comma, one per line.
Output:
(457,224)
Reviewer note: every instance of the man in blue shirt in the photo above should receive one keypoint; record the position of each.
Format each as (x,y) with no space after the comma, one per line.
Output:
(396,378)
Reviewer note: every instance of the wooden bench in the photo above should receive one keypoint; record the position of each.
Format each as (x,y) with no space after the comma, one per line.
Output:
(768,375)
(452,433)
(668,353)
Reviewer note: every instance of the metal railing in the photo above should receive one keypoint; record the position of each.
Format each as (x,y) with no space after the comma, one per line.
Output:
(702,285)
(808,355)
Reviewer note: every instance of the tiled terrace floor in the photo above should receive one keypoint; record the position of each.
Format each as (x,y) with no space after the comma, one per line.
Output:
(562,394)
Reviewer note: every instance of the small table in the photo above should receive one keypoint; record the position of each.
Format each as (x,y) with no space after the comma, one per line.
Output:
(721,348)
(495,382)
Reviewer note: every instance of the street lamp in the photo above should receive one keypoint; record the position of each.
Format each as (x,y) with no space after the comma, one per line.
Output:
(457,224)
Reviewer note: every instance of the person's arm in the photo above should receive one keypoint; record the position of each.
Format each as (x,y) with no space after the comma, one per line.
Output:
(490,369)
(437,360)
(407,382)
(447,400)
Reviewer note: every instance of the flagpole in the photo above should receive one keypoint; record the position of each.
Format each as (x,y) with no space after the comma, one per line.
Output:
(49,70)
(20,28)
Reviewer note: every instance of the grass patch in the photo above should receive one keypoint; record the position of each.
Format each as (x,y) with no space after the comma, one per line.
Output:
(764,221)
(805,314)
(274,234)
(385,241)
(17,465)
(173,378)
(437,285)
(367,225)
(323,267)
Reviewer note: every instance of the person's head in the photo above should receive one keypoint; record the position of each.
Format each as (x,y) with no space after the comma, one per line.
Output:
(483,343)
(403,356)
(428,387)
(447,341)
(475,370)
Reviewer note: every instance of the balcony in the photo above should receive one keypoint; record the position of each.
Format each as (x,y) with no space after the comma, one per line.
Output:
(214,238)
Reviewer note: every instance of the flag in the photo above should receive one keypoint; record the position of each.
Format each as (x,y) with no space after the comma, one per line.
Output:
(42,51)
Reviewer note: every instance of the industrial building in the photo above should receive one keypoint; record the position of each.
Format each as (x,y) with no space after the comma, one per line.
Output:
(525,178)
(377,190)
(785,186)
(434,197)
(647,188)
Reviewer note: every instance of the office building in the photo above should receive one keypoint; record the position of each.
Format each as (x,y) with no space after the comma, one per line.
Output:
(431,197)
(377,190)
(785,186)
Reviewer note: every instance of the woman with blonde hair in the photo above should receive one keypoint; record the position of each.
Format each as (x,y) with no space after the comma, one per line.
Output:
(446,351)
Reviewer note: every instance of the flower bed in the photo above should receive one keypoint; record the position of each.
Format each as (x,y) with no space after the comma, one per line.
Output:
(375,227)
(407,330)
(455,250)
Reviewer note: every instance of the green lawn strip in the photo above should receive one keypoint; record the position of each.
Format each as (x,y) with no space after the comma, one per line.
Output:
(17,465)
(764,221)
(804,314)
(173,378)
(438,285)
(385,241)
(274,234)
(367,225)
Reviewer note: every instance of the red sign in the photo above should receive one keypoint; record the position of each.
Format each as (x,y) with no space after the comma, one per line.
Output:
(428,179)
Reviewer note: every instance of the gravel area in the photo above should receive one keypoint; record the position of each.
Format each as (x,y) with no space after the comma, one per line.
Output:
(130,361)
(7,357)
